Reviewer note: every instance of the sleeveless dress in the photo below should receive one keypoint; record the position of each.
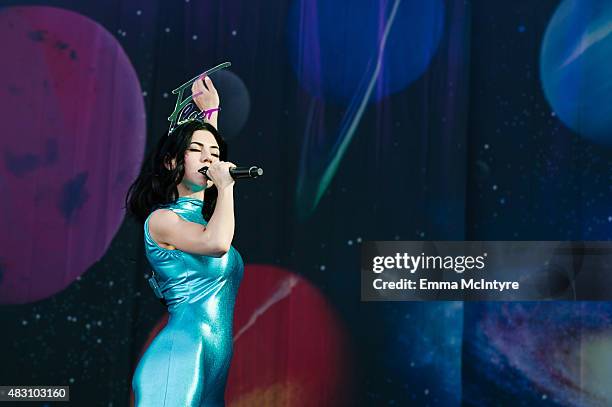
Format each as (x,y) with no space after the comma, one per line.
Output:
(186,365)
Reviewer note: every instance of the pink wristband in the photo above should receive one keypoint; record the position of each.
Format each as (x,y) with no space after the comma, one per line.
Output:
(208,113)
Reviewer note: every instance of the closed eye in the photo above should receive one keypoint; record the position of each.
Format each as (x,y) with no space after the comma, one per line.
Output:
(196,150)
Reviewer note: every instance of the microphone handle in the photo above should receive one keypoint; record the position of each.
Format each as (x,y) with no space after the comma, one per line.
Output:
(240,172)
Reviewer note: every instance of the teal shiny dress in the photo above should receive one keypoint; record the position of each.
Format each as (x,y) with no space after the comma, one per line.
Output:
(187,363)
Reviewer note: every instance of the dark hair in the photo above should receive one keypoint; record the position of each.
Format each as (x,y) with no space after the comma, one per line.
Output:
(157,185)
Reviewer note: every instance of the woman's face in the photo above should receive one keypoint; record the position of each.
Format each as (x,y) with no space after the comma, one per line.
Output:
(202,151)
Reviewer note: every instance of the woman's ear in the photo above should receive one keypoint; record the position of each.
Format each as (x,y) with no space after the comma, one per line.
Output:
(170,164)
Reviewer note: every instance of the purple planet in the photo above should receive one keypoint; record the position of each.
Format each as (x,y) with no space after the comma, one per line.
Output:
(73,139)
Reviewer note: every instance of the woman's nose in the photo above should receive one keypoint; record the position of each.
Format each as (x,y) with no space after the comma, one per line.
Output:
(206,156)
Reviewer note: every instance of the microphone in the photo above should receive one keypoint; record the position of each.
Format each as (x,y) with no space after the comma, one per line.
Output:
(240,172)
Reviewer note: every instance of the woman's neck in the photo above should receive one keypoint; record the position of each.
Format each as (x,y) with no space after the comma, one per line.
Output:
(184,192)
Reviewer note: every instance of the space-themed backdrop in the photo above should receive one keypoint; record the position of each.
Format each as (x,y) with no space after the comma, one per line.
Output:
(373,120)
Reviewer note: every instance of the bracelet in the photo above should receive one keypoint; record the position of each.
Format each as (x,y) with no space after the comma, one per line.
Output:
(207,114)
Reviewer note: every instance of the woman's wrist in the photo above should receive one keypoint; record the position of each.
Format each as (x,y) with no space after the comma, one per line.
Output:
(210,116)
(229,188)
(207,114)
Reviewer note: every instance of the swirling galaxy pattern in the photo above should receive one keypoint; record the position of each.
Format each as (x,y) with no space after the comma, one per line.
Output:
(556,353)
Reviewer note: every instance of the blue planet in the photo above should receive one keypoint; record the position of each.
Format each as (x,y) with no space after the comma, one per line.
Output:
(575,67)
(334,45)
(353,53)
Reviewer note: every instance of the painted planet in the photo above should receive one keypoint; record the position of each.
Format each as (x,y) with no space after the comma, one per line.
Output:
(290,348)
(235,103)
(334,46)
(72,142)
(574,67)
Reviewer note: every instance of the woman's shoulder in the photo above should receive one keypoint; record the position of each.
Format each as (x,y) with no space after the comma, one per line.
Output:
(157,226)
(159,223)
(161,216)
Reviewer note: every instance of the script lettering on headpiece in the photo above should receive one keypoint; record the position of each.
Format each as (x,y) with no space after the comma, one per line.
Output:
(185,109)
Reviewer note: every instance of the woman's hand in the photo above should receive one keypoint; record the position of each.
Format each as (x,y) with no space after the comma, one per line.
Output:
(218,173)
(205,97)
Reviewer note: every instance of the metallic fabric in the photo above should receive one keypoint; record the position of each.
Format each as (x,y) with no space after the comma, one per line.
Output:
(187,363)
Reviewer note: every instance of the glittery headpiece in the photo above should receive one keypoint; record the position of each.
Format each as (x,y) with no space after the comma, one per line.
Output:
(186,110)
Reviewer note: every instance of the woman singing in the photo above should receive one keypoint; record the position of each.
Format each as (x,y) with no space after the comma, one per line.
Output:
(188,222)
